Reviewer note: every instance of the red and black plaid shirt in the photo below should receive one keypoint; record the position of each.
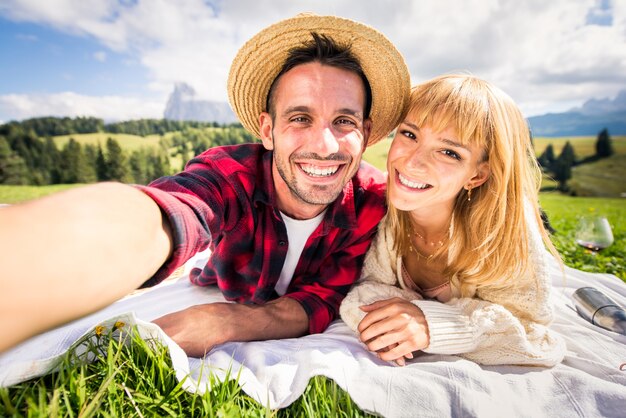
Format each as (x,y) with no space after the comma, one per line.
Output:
(226,199)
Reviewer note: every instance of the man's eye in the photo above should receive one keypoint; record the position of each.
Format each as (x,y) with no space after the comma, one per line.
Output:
(345,122)
(300,119)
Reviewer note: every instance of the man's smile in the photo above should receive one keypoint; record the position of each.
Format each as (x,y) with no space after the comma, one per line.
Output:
(319,171)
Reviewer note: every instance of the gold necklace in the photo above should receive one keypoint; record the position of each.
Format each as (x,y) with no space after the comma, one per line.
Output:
(412,248)
(432,244)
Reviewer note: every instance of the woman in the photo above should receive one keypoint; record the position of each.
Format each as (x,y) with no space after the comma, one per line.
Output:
(459,264)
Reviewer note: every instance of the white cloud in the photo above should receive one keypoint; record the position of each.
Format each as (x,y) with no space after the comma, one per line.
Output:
(100,56)
(109,108)
(543,53)
(26,37)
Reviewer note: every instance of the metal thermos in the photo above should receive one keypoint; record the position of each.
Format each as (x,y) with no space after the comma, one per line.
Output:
(600,310)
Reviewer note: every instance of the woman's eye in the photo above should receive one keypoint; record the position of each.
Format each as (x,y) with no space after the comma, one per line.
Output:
(452,154)
(408,134)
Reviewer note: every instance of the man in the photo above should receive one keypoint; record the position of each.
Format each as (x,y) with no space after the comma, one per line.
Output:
(288,222)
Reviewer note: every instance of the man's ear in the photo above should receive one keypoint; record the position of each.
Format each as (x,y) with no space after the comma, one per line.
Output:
(265,128)
(482,174)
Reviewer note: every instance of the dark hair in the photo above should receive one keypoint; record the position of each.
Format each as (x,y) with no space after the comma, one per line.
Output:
(326,51)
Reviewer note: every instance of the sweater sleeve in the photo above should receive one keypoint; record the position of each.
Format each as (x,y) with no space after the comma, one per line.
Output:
(377,281)
(500,326)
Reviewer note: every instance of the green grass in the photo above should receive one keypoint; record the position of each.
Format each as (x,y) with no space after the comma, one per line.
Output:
(376,155)
(565,212)
(584,146)
(603,178)
(132,377)
(17,194)
(128,142)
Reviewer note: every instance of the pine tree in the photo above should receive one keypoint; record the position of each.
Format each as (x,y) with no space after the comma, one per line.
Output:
(604,148)
(139,166)
(51,160)
(546,159)
(562,167)
(101,165)
(13,169)
(75,167)
(117,165)
(91,159)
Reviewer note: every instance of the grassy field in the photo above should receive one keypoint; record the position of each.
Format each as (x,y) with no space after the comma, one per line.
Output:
(130,377)
(126,141)
(565,212)
(584,146)
(603,178)
(17,194)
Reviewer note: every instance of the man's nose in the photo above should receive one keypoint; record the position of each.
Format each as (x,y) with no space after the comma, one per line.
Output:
(327,142)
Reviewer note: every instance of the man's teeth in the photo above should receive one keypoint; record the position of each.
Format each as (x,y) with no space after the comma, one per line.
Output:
(319,171)
(411,184)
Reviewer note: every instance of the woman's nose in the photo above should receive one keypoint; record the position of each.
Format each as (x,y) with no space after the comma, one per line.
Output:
(417,159)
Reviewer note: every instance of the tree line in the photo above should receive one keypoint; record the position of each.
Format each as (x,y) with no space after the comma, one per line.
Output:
(29,159)
(561,167)
(54,126)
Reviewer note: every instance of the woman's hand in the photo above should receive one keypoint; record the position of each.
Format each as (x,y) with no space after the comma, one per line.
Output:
(394,328)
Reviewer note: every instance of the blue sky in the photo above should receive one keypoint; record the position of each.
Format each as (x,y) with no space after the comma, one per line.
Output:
(40,59)
(119,59)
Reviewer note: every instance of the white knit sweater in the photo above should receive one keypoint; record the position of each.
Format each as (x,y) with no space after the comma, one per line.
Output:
(492,327)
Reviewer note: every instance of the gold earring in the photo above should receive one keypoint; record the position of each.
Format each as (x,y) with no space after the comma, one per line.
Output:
(469,193)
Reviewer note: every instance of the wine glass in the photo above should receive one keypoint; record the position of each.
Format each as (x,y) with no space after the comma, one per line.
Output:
(594,233)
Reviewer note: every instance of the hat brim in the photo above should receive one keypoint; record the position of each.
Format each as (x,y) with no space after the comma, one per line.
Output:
(259,61)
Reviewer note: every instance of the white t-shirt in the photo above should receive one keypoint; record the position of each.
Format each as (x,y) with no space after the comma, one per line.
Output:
(298,232)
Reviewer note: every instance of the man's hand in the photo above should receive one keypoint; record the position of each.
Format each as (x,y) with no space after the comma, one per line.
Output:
(394,328)
(199,328)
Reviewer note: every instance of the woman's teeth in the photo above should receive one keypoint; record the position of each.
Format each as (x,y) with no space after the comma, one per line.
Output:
(412,184)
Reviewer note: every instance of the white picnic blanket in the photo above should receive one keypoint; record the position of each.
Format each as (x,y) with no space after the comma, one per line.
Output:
(591,381)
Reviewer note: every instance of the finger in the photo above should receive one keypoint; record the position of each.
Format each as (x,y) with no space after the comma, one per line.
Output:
(382,350)
(383,343)
(378,314)
(401,351)
(380,304)
(375,330)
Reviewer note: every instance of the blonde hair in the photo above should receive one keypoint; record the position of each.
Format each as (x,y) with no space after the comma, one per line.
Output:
(489,237)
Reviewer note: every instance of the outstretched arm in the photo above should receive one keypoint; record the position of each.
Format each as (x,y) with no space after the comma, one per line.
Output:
(199,328)
(72,253)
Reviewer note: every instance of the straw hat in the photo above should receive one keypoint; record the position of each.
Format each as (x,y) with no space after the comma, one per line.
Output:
(259,61)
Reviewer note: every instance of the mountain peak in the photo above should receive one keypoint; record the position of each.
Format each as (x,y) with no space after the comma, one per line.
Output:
(587,120)
(601,106)
(184,105)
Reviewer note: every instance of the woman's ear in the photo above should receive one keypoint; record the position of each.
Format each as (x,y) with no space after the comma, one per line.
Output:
(482,174)
(265,128)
